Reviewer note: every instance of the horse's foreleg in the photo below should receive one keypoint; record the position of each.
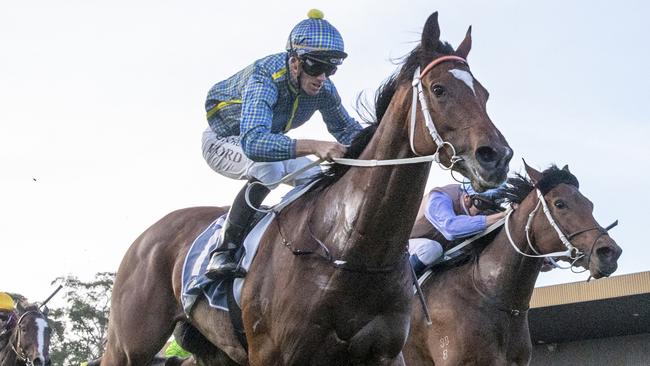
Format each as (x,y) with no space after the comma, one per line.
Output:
(138,347)
(216,326)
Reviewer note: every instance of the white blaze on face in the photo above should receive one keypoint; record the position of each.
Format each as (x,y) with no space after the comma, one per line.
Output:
(41,324)
(465,77)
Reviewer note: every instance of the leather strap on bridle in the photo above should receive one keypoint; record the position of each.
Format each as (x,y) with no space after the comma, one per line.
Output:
(22,355)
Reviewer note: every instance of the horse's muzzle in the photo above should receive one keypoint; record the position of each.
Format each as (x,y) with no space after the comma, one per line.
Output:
(604,260)
(491,167)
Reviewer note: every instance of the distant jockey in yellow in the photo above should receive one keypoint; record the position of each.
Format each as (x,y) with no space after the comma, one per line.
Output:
(7,312)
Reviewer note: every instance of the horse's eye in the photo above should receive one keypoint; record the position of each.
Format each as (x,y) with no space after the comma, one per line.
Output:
(438,90)
(559,204)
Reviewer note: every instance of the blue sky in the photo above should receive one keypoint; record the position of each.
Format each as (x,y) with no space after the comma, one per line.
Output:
(101,109)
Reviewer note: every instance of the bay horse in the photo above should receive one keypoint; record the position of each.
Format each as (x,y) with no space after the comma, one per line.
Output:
(27,341)
(479,309)
(353,306)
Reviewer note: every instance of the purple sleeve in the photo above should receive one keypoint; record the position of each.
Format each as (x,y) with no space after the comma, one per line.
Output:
(440,212)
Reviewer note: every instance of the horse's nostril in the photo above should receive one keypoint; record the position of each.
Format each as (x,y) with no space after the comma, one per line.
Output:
(37,362)
(487,155)
(605,253)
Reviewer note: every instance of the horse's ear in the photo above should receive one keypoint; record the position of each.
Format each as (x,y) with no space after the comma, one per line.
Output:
(466,45)
(533,174)
(45,310)
(431,34)
(566,168)
(20,307)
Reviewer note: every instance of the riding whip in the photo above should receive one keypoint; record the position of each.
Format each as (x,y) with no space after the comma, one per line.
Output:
(51,296)
(418,289)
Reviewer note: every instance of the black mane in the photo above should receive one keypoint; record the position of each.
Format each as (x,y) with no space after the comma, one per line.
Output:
(518,187)
(383,96)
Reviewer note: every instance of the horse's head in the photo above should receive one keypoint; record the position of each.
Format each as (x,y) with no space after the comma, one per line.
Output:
(565,223)
(31,336)
(457,104)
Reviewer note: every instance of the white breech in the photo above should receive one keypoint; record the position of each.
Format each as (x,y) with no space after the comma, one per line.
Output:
(226,157)
(427,250)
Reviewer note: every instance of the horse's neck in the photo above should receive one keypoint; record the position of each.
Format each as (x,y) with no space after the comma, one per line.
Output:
(502,273)
(373,209)
(7,355)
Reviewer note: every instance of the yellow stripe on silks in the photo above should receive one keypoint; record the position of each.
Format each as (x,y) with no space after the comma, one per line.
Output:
(293,113)
(221,105)
(279,73)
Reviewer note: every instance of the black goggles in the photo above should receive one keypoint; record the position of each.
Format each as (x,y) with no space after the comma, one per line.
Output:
(316,68)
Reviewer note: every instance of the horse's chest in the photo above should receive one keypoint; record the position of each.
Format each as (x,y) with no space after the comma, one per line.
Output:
(482,342)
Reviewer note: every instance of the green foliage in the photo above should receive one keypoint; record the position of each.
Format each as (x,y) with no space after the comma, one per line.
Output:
(79,328)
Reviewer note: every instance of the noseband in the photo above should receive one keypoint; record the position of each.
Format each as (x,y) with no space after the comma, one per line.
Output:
(418,93)
(573,253)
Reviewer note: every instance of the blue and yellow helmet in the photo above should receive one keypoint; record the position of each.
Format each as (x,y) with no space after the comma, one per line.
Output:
(316,38)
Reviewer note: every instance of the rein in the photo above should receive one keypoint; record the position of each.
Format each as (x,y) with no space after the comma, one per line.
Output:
(418,93)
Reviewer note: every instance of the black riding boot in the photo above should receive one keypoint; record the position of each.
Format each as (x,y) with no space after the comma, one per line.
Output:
(222,263)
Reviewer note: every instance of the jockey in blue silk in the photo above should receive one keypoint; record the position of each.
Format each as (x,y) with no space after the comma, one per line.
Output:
(446,215)
(250,112)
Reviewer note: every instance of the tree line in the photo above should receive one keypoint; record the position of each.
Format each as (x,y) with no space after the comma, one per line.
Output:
(79,327)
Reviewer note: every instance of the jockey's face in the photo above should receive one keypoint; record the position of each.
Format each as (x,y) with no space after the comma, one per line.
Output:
(310,85)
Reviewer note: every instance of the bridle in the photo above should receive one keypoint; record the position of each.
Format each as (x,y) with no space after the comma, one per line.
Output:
(573,253)
(418,94)
(18,349)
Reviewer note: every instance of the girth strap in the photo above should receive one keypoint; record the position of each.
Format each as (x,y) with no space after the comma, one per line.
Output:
(235,314)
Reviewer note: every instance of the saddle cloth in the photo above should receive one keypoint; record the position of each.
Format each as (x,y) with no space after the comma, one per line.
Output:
(194,281)
(456,252)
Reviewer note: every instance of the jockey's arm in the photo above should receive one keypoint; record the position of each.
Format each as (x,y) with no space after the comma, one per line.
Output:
(493,218)
(440,212)
(327,150)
